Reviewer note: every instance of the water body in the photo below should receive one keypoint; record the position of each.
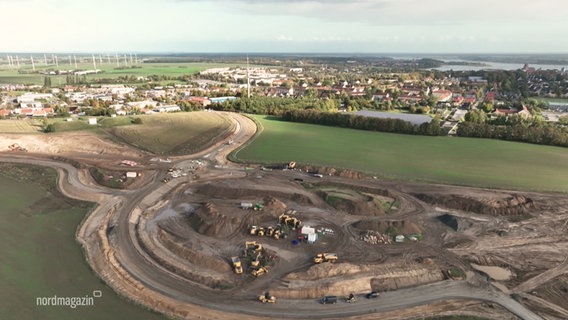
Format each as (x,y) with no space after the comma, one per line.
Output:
(487,65)
(415,119)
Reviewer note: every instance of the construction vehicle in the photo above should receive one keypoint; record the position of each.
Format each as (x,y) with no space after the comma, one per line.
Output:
(351,298)
(253,244)
(258,207)
(260,232)
(256,261)
(292,222)
(17,148)
(253,230)
(291,165)
(269,231)
(282,218)
(325,257)
(277,233)
(266,297)
(237,265)
(258,272)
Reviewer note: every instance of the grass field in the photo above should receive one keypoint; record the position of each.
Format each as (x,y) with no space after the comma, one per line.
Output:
(110,71)
(40,257)
(176,133)
(452,160)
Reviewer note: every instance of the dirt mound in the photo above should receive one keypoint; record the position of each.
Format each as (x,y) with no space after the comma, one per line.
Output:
(208,221)
(273,205)
(392,227)
(515,204)
(359,207)
(225,192)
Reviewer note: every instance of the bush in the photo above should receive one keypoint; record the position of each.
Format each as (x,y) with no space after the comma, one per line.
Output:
(137,120)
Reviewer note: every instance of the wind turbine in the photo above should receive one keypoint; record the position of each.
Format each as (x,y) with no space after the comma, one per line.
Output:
(136,58)
(18,62)
(9,61)
(56,63)
(100,58)
(117,61)
(32,60)
(94,63)
(131,61)
(70,61)
(45,59)
(75,58)
(248,78)
(125,61)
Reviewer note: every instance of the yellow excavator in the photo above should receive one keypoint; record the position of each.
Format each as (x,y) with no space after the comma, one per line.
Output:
(253,244)
(256,261)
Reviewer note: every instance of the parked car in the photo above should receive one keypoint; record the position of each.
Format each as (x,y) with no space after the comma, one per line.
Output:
(328,300)
(373,294)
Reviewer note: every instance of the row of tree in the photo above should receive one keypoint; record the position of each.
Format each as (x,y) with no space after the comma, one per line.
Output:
(535,132)
(353,121)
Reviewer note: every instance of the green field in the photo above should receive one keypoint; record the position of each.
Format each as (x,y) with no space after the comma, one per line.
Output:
(110,71)
(40,257)
(451,160)
(173,133)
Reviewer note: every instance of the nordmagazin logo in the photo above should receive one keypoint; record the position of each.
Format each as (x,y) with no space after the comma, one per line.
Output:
(71,302)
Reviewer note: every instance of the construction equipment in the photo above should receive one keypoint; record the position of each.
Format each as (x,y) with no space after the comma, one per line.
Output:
(291,165)
(237,265)
(266,297)
(253,244)
(277,233)
(269,231)
(258,272)
(292,222)
(258,207)
(282,218)
(325,257)
(260,232)
(17,148)
(253,230)
(256,261)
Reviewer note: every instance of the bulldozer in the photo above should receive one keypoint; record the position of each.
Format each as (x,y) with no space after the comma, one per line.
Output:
(325,257)
(258,272)
(237,265)
(267,298)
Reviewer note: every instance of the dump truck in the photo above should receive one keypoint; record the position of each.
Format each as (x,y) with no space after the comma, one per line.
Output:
(267,298)
(237,265)
(258,272)
(325,257)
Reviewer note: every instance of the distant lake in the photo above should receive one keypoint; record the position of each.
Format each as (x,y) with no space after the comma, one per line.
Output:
(497,66)
(415,119)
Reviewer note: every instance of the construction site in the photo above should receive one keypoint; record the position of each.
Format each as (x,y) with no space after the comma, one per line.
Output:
(199,237)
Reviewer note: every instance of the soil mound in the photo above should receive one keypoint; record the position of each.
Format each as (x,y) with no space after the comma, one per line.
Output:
(393,227)
(357,207)
(208,221)
(326,171)
(224,192)
(515,204)
(273,205)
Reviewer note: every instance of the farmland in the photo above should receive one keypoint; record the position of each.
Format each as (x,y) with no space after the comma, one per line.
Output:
(40,256)
(459,161)
(110,71)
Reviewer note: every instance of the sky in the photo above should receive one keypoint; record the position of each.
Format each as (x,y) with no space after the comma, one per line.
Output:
(314,26)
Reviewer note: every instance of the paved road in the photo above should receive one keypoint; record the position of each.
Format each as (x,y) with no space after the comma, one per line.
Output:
(141,267)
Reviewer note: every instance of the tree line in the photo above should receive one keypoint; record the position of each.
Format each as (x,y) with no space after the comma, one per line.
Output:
(537,132)
(353,121)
